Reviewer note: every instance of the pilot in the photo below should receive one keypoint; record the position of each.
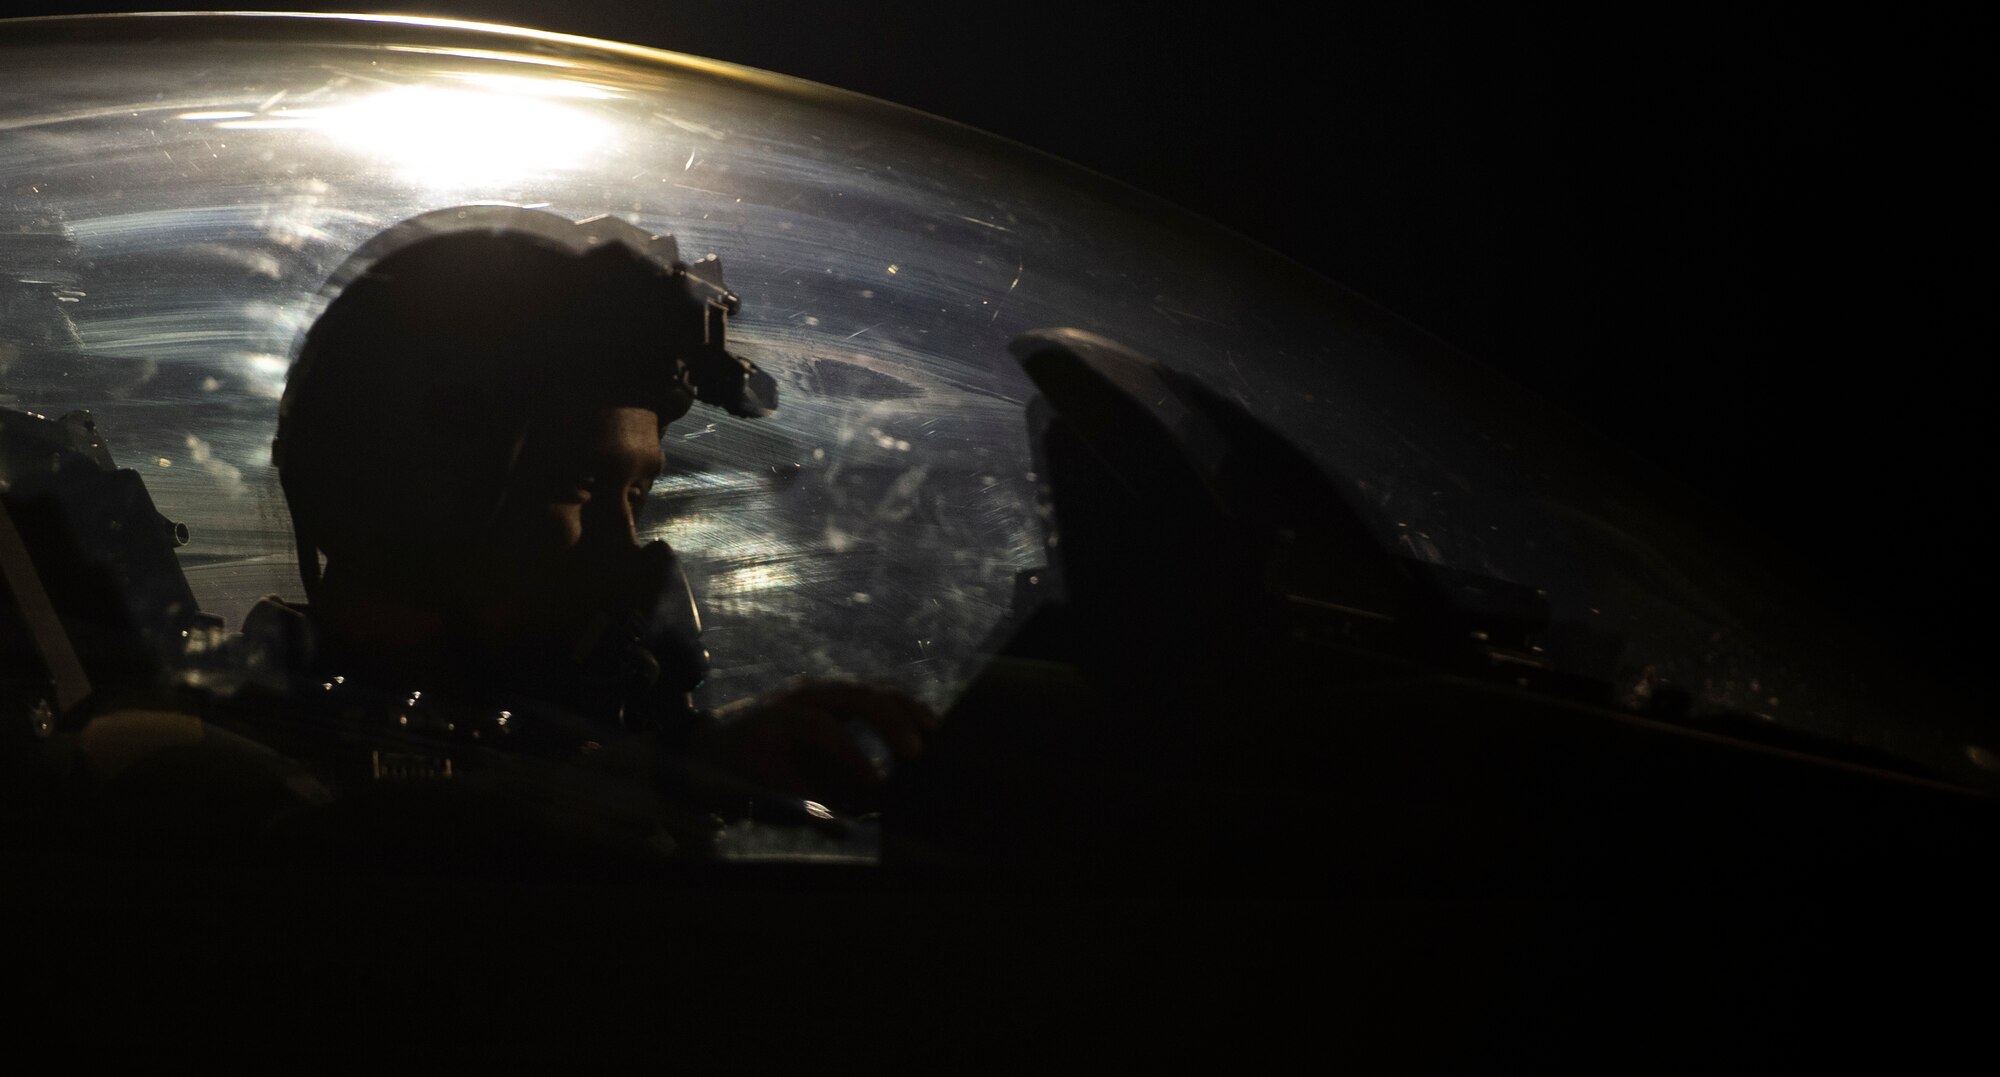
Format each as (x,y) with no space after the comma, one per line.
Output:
(466,444)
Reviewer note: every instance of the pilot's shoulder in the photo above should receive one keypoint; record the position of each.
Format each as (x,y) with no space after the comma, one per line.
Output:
(190,773)
(113,742)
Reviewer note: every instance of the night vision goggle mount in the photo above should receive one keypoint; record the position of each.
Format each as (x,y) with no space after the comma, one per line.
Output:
(713,375)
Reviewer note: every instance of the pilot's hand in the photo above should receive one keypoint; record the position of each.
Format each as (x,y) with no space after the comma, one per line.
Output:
(828,741)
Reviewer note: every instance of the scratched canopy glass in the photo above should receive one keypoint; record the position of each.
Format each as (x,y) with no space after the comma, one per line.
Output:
(176,190)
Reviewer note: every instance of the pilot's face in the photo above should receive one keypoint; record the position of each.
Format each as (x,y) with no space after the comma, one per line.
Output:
(580,483)
(561,547)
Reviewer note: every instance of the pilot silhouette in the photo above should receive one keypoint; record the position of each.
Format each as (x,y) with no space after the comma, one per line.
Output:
(466,443)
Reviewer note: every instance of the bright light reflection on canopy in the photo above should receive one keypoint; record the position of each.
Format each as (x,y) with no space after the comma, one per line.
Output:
(497,128)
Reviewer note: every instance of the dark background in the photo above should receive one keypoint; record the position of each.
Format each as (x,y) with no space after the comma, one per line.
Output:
(1746,247)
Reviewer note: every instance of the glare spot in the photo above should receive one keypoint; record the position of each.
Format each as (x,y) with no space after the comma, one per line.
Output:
(817,810)
(892,270)
(272,366)
(163,461)
(227,475)
(490,128)
(758,578)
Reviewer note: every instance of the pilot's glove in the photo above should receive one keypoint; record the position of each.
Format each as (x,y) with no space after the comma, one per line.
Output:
(832,742)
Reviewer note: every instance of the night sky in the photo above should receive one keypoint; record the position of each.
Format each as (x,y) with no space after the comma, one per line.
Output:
(1746,248)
